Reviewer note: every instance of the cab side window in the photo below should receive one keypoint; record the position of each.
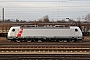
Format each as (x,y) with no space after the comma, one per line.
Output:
(76,30)
(13,30)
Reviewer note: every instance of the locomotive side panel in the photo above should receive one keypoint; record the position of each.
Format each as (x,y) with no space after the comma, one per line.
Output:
(46,32)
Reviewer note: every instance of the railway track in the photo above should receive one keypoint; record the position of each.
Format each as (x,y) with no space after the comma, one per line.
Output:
(44,57)
(59,47)
(63,45)
(46,46)
(45,49)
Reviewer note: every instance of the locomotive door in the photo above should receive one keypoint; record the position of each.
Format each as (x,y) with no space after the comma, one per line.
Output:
(72,32)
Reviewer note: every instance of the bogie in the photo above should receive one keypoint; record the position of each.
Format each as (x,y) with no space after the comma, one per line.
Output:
(47,40)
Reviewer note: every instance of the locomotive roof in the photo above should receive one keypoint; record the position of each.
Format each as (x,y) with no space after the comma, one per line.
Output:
(46,27)
(52,27)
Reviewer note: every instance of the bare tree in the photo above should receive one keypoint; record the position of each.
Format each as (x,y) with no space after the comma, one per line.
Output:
(87,17)
(46,19)
(8,21)
(17,21)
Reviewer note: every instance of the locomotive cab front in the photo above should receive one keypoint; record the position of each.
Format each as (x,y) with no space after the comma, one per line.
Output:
(12,33)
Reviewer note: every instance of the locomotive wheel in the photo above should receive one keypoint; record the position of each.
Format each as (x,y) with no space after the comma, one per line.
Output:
(65,41)
(55,40)
(29,40)
(18,41)
(34,40)
(9,40)
(72,40)
(79,40)
(60,40)
(39,40)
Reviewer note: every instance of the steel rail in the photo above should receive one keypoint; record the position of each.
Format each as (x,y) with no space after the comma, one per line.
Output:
(45,46)
(45,56)
(45,49)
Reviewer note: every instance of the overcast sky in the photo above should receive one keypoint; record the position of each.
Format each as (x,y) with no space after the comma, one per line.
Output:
(36,9)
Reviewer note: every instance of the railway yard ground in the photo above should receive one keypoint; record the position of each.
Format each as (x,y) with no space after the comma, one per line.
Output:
(45,50)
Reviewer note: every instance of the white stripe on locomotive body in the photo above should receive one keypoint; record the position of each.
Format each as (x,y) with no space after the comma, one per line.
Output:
(47,32)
